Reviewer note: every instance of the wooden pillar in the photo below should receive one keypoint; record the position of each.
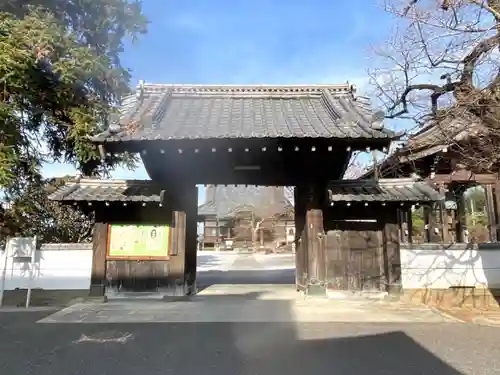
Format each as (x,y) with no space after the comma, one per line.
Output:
(403,225)
(99,249)
(185,202)
(316,204)
(391,253)
(191,237)
(427,223)
(497,206)
(445,234)
(178,258)
(490,207)
(301,256)
(430,219)
(460,223)
(409,220)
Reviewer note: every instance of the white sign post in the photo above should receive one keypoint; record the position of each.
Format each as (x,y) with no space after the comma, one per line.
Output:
(4,271)
(21,250)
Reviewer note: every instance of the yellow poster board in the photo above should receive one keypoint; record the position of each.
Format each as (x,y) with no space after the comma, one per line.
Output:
(138,242)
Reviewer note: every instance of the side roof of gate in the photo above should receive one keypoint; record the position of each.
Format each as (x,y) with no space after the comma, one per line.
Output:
(383,190)
(96,190)
(230,198)
(179,112)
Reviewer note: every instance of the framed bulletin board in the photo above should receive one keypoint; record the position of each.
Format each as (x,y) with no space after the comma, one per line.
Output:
(138,242)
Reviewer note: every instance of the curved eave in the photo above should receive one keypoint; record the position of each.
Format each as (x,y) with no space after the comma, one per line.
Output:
(356,143)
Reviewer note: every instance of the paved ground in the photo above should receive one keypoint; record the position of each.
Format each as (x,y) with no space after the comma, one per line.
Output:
(264,348)
(489,317)
(251,329)
(233,268)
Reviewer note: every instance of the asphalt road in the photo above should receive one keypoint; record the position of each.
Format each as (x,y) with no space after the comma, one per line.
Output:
(244,348)
(257,348)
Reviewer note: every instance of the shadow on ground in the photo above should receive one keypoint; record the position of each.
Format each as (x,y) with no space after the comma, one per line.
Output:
(214,348)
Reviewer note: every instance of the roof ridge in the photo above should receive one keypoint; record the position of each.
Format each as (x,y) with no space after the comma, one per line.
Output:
(244,89)
(251,85)
(381,181)
(92,181)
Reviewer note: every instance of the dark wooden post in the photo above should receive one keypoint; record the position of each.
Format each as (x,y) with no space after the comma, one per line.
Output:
(99,250)
(178,258)
(409,219)
(490,207)
(317,202)
(391,253)
(382,253)
(185,202)
(191,237)
(497,206)
(460,224)
(430,223)
(445,235)
(301,256)
(403,225)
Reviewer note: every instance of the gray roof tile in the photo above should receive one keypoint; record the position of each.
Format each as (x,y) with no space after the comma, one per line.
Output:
(383,190)
(224,201)
(108,191)
(205,112)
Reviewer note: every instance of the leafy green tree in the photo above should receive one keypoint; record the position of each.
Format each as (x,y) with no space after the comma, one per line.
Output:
(60,78)
(33,214)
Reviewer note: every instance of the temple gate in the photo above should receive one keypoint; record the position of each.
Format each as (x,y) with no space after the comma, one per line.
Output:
(300,136)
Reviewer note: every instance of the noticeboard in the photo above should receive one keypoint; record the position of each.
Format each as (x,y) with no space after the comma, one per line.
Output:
(136,242)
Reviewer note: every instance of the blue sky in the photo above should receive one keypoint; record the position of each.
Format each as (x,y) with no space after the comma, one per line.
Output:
(253,41)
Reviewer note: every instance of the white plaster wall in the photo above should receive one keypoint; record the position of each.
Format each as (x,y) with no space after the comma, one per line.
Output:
(57,266)
(456,266)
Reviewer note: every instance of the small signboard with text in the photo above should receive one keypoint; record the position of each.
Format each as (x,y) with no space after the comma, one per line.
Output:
(138,242)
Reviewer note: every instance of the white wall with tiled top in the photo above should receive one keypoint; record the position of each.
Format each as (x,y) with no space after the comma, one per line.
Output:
(431,266)
(57,266)
(434,266)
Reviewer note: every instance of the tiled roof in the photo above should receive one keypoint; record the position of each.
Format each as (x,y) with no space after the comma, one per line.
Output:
(108,191)
(444,134)
(383,190)
(166,112)
(429,140)
(225,201)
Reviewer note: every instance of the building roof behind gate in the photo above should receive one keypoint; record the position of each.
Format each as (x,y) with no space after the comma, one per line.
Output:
(177,112)
(225,201)
(383,190)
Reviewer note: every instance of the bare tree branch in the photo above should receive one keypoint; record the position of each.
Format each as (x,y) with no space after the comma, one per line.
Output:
(442,67)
